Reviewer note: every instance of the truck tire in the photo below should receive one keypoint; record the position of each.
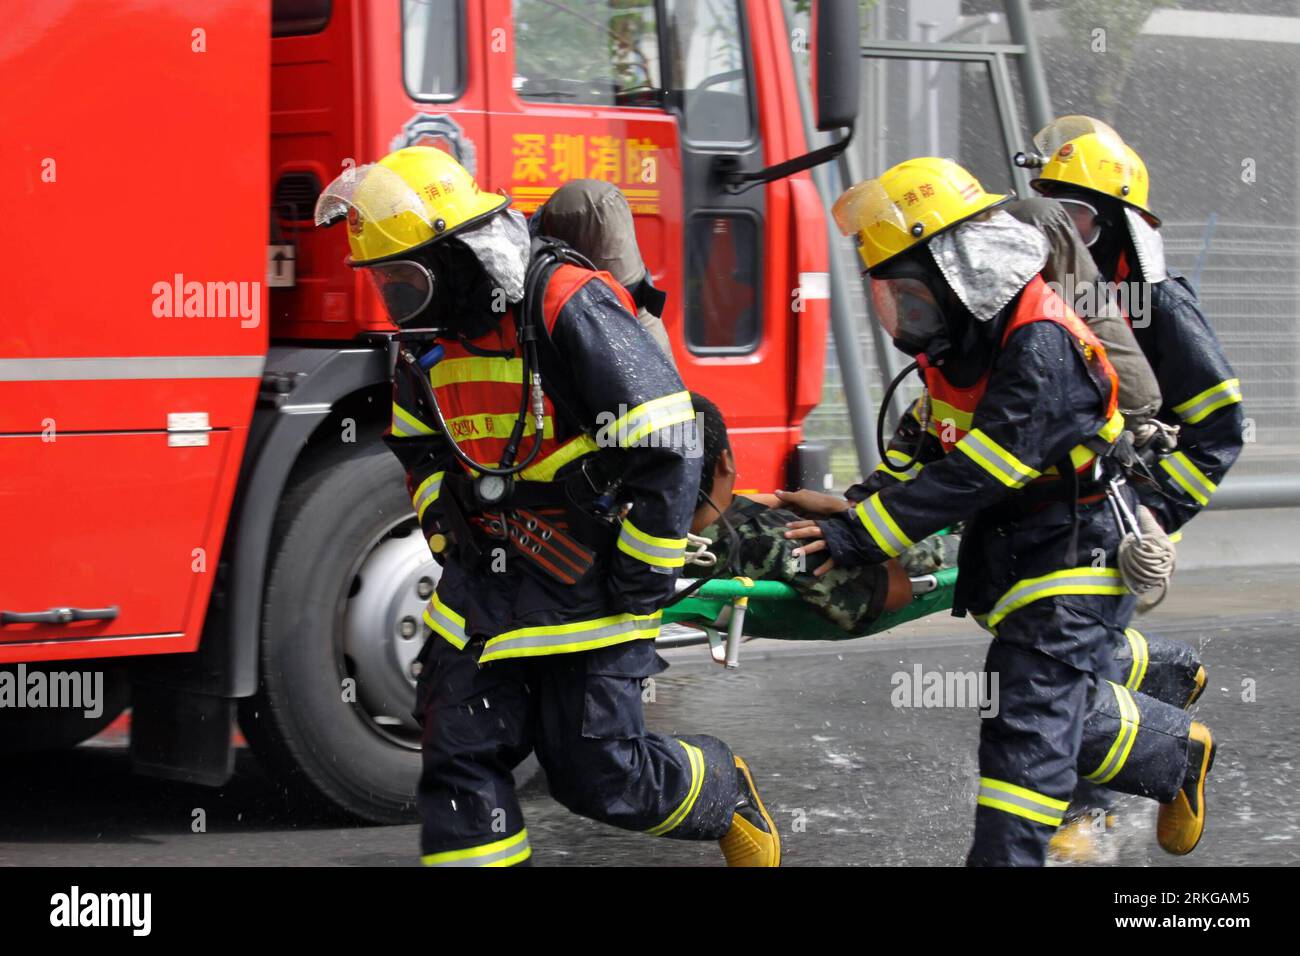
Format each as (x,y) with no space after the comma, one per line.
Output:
(47,729)
(348,577)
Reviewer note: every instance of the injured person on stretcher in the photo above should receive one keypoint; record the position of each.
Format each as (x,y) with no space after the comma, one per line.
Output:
(747,535)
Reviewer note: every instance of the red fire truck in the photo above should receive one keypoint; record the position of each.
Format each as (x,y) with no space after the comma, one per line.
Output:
(193,384)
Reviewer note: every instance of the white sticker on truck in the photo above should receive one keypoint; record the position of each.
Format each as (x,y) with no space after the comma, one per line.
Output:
(814,285)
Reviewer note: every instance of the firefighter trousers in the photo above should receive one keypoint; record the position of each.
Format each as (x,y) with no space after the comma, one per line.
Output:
(1058,722)
(582,713)
(1159,667)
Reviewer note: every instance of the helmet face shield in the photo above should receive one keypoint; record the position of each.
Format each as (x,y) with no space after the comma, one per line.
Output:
(406,288)
(907,310)
(1086,218)
(1056,134)
(385,216)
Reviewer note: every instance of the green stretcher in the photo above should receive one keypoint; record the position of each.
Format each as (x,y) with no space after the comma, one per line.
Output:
(729,609)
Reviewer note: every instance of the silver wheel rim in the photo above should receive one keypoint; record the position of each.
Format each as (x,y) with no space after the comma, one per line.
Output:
(383,630)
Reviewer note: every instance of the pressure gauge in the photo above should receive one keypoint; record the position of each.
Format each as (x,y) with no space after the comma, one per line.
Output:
(491,489)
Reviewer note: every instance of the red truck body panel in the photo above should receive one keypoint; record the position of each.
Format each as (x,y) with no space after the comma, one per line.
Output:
(136,152)
(166,160)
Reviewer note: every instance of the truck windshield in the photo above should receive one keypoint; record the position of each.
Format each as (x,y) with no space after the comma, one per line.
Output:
(433,33)
(709,69)
(600,52)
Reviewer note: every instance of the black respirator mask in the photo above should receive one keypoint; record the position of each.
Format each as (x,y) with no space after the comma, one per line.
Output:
(440,286)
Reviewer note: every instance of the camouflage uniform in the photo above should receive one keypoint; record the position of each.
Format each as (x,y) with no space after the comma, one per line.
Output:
(849,599)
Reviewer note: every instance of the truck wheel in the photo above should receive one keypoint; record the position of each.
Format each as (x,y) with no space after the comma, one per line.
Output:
(348,578)
(35,731)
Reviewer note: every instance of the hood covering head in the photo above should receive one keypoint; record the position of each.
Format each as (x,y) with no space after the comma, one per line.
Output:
(501,246)
(593,217)
(986,261)
(1148,244)
(1068,260)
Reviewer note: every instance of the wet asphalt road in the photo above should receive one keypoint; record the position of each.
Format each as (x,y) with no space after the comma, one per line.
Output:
(850,779)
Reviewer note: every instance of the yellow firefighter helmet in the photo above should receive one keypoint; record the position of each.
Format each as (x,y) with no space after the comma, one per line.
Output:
(406,200)
(1085,152)
(907,205)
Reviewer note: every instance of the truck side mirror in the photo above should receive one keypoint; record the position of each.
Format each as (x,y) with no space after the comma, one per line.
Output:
(838,59)
(837,54)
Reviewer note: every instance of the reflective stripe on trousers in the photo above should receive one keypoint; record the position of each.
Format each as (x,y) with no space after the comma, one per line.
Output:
(1021,802)
(1130,720)
(507,852)
(1141,657)
(696,757)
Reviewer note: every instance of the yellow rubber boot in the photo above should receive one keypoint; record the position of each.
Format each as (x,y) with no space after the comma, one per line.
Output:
(1199,689)
(752,839)
(1080,839)
(1182,820)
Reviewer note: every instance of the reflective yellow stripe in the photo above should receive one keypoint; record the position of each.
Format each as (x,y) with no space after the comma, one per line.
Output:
(1141,657)
(1081,455)
(458,371)
(1190,478)
(649,417)
(1021,801)
(660,552)
(472,427)
(696,758)
(571,450)
(1129,720)
(996,460)
(894,457)
(427,493)
(443,620)
(943,413)
(882,527)
(1113,428)
(1200,406)
(404,424)
(1087,580)
(511,850)
(568,638)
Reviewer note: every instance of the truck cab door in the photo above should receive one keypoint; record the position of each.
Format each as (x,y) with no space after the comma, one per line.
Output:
(731,351)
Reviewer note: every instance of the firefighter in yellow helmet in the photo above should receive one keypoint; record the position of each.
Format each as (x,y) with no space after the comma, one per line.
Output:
(1196,435)
(549,457)
(1087,167)
(1020,402)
